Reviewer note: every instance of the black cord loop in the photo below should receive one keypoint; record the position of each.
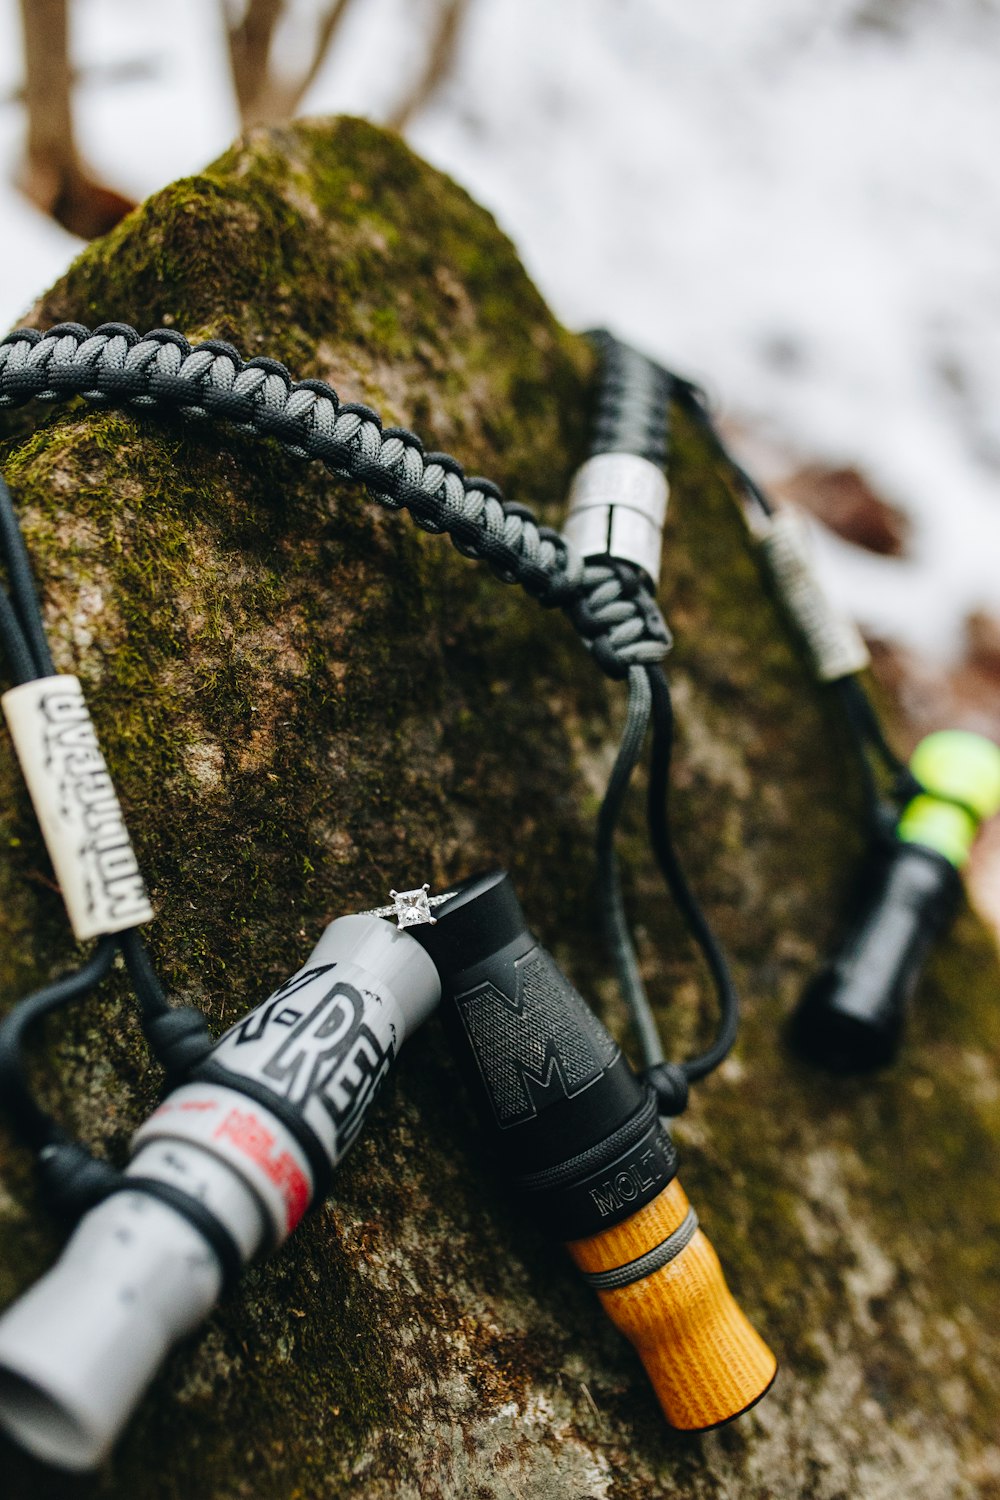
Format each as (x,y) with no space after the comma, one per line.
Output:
(68,1171)
(873,750)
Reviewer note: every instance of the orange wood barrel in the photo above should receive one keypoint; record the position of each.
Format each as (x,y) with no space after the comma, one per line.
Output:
(661,1284)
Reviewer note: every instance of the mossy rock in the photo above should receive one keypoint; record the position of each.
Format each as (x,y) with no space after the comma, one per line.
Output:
(306,700)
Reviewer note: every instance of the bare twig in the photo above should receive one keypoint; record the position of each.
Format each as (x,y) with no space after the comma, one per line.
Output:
(250,40)
(440,61)
(53,176)
(326,33)
(47,87)
(263,96)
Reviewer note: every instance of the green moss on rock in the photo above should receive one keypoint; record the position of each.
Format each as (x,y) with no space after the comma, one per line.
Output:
(305,700)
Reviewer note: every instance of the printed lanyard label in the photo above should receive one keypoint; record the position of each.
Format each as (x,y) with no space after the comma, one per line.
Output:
(77,807)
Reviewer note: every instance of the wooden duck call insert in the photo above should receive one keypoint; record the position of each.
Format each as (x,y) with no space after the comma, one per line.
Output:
(661,1284)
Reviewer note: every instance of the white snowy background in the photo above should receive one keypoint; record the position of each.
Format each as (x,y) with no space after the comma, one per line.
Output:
(796,201)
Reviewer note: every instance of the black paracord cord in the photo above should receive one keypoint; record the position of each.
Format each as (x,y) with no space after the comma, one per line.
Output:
(687,904)
(24,642)
(22,636)
(649,696)
(859,708)
(18,652)
(631,417)
(23,586)
(871,746)
(694,400)
(35,1126)
(616,927)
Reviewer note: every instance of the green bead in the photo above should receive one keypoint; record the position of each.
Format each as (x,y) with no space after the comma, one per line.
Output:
(940,826)
(955,763)
(952,766)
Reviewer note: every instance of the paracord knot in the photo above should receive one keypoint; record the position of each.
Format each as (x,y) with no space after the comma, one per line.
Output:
(73,1180)
(618,618)
(179,1038)
(669,1083)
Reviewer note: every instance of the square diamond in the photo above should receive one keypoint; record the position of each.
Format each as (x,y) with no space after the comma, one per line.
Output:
(410,908)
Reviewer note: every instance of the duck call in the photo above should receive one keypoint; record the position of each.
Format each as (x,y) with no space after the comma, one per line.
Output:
(579,1136)
(219,1175)
(852,1013)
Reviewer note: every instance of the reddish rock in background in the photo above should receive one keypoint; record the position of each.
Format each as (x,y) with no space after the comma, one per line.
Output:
(844,500)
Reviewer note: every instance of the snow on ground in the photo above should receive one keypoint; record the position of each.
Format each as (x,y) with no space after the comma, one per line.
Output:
(796,201)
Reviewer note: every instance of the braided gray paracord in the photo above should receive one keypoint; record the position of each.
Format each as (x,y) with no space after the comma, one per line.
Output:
(114,365)
(633,394)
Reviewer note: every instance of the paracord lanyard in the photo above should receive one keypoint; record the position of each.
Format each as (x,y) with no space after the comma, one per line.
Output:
(607,598)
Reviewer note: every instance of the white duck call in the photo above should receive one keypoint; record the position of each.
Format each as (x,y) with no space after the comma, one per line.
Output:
(220,1174)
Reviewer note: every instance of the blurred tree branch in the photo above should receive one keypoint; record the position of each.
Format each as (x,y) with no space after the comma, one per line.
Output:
(440,61)
(55,179)
(263,96)
(52,176)
(250,37)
